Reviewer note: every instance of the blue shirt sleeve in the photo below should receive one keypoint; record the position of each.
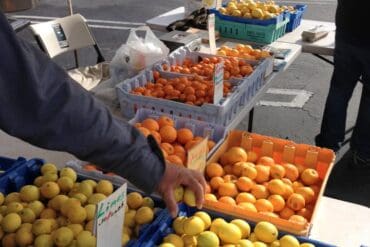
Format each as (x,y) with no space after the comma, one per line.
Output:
(42,105)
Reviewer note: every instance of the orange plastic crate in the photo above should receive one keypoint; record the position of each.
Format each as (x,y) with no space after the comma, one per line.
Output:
(280,150)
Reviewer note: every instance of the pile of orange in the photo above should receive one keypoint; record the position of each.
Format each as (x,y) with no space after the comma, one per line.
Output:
(174,143)
(193,90)
(233,67)
(261,185)
(243,51)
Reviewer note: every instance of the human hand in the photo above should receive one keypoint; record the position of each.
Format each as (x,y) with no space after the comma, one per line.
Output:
(176,175)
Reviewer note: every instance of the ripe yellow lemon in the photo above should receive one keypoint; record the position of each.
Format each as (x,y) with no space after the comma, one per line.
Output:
(207,239)
(266,232)
(193,225)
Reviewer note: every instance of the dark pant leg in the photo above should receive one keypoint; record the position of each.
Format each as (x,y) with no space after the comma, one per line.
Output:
(360,141)
(345,76)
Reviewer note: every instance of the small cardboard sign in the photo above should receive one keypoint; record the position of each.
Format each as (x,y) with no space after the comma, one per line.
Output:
(109,218)
(211,34)
(197,156)
(218,81)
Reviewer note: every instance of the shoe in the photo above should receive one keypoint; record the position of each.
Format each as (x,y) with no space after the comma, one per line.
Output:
(360,161)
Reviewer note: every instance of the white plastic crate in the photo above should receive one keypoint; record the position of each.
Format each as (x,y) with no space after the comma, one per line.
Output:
(215,132)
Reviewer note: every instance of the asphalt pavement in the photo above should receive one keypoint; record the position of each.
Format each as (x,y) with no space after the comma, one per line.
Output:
(112,20)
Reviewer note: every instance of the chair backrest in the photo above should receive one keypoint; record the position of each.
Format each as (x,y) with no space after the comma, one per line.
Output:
(64,34)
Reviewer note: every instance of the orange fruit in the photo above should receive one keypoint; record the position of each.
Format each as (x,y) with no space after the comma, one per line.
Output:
(230,178)
(310,176)
(307,192)
(238,168)
(291,172)
(277,201)
(263,173)
(228,189)
(211,144)
(245,197)
(178,149)
(305,212)
(250,172)
(244,184)
(150,124)
(237,154)
(266,161)
(248,206)
(227,200)
(298,219)
(287,181)
(165,121)
(144,131)
(137,125)
(297,185)
(168,134)
(276,186)
(296,202)
(277,171)
(300,168)
(167,147)
(189,145)
(210,197)
(174,159)
(269,214)
(214,170)
(182,156)
(184,135)
(259,191)
(252,156)
(156,136)
(198,138)
(216,182)
(228,169)
(264,205)
(288,191)
(286,213)
(315,188)
(207,189)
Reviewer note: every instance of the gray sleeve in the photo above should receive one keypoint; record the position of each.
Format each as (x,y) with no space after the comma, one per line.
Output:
(40,104)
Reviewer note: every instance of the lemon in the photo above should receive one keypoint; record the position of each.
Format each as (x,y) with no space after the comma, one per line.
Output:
(49,177)
(229,233)
(105,187)
(90,211)
(81,197)
(44,240)
(70,203)
(134,200)
(245,243)
(96,198)
(289,241)
(76,215)
(86,239)
(49,190)
(38,181)
(130,218)
(148,202)
(208,239)
(62,220)
(57,202)
(144,215)
(76,229)
(189,198)
(48,213)
(36,207)
(259,244)
(205,217)
(276,243)
(243,226)
(178,193)
(14,207)
(68,172)
(65,184)
(2,198)
(29,193)
(167,245)
(215,225)
(27,226)
(9,240)
(12,197)
(27,215)
(49,168)
(174,239)
(125,239)
(85,188)
(89,226)
(11,223)
(178,225)
(266,232)
(62,237)
(42,226)
(193,225)
(307,245)
(189,240)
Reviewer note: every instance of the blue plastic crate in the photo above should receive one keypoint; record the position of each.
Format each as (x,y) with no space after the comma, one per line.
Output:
(7,164)
(163,226)
(295,18)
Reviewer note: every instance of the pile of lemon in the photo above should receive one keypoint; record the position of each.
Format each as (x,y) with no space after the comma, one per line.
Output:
(58,210)
(254,9)
(200,230)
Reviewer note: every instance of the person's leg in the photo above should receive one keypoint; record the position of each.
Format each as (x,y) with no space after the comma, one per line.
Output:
(360,141)
(344,79)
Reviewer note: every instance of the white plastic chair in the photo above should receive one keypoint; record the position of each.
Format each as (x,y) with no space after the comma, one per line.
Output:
(66,34)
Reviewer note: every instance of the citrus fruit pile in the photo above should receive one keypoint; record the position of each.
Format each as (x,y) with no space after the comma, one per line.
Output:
(254,10)
(200,230)
(261,185)
(174,143)
(233,67)
(56,210)
(195,90)
(243,51)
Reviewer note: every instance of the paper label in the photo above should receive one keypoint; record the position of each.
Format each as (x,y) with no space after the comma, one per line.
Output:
(109,218)
(218,80)
(197,156)
(211,33)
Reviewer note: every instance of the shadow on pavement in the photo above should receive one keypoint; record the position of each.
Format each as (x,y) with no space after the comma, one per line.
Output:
(348,183)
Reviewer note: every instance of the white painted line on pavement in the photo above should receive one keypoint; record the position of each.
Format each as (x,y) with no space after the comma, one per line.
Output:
(300,99)
(99,26)
(88,20)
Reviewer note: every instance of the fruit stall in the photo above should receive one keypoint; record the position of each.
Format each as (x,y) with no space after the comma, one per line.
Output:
(261,191)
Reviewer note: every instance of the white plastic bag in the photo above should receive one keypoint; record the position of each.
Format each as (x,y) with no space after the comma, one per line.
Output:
(139,53)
